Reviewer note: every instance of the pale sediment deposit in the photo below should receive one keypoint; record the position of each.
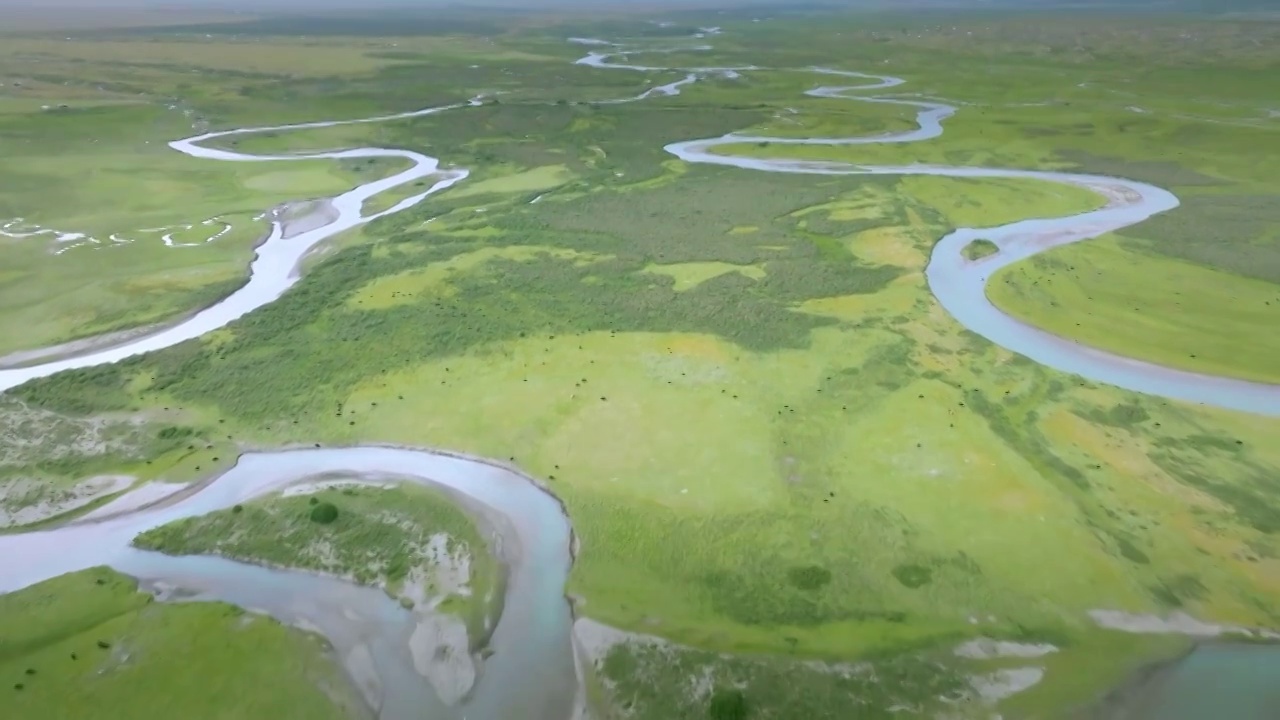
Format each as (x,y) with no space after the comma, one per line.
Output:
(987,649)
(442,655)
(307,216)
(20,358)
(148,494)
(594,639)
(24,501)
(996,686)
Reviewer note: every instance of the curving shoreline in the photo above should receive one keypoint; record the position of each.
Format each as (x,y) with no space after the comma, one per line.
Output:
(274,267)
(531,673)
(959,284)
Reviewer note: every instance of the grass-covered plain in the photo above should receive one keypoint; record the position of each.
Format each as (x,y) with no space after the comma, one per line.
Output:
(417,545)
(90,645)
(1079,102)
(84,128)
(1191,317)
(121,185)
(770,439)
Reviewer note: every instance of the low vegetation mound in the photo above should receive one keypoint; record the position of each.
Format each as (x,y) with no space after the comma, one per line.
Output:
(413,543)
(979,249)
(324,513)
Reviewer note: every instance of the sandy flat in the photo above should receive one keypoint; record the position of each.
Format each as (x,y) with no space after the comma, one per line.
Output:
(142,497)
(75,347)
(57,502)
(303,217)
(595,639)
(442,655)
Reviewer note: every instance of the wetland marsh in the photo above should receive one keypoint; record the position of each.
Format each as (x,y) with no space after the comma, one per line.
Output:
(748,390)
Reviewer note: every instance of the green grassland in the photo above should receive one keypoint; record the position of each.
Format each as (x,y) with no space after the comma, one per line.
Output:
(84,126)
(89,645)
(771,440)
(770,687)
(381,536)
(106,170)
(1193,317)
(1080,103)
(786,423)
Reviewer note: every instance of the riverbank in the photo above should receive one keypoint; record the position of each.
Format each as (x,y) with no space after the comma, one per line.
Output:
(273,270)
(292,218)
(1218,677)
(528,653)
(439,555)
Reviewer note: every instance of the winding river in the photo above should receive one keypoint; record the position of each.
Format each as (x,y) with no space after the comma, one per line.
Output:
(531,674)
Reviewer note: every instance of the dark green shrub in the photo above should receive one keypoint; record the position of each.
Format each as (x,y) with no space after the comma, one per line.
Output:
(173,432)
(913,576)
(728,705)
(810,577)
(324,513)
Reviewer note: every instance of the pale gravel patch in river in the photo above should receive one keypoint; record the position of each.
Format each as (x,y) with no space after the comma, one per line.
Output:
(364,674)
(24,501)
(306,216)
(148,494)
(442,654)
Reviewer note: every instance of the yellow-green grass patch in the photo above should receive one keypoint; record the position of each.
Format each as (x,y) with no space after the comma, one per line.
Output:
(984,202)
(412,286)
(534,180)
(690,275)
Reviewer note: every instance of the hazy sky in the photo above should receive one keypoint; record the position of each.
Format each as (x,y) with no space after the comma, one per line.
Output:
(261,5)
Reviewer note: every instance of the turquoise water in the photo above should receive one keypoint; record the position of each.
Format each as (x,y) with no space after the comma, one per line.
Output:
(1216,682)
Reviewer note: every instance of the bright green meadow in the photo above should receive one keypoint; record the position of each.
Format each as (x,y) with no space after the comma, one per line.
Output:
(89,644)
